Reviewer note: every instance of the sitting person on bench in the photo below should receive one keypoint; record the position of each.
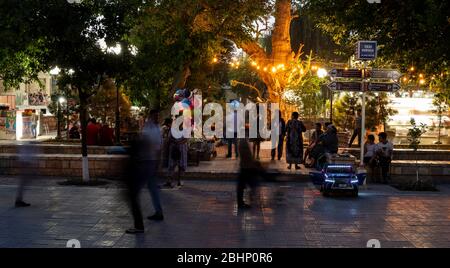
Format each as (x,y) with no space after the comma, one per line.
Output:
(327,145)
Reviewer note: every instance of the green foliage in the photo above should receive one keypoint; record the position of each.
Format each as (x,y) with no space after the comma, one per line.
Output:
(344,110)
(415,133)
(308,96)
(378,111)
(178,38)
(409,32)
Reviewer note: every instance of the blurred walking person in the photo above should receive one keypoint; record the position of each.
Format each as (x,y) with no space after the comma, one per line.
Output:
(27,163)
(145,153)
(249,173)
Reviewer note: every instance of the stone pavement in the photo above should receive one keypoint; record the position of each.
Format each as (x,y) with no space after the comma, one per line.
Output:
(204,214)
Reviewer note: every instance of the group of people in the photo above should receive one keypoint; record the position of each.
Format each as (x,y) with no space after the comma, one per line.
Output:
(379,154)
(321,142)
(96,133)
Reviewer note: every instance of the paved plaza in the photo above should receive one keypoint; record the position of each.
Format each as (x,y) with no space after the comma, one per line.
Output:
(204,214)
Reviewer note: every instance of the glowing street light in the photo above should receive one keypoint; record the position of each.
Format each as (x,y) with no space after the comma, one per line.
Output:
(322,73)
(55,71)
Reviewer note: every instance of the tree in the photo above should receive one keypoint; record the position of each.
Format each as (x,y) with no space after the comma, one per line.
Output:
(103,103)
(377,110)
(409,33)
(276,65)
(69,35)
(182,36)
(345,108)
(441,107)
(414,136)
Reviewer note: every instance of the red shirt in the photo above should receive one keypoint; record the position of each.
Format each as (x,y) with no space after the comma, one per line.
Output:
(106,136)
(92,134)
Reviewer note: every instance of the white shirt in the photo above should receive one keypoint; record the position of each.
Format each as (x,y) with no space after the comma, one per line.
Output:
(386,148)
(152,134)
(371,149)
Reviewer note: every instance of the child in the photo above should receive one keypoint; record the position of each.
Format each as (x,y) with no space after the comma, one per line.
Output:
(369,150)
(384,153)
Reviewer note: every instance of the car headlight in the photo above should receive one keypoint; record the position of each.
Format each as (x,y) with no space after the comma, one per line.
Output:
(328,179)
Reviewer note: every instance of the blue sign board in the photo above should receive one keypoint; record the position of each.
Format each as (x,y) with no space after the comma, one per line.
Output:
(366,50)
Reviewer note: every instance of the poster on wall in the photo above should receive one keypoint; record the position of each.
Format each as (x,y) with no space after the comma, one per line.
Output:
(11,123)
(2,123)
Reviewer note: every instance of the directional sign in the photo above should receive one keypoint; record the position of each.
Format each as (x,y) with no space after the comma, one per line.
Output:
(384,74)
(346,73)
(383,87)
(366,50)
(345,86)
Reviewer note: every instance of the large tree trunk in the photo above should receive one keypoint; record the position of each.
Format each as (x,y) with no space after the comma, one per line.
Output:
(281,54)
(84,122)
(281,38)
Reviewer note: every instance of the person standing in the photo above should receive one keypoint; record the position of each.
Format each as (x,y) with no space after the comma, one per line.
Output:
(356,130)
(145,155)
(106,135)
(281,135)
(384,151)
(178,150)
(92,132)
(165,132)
(34,123)
(294,141)
(232,120)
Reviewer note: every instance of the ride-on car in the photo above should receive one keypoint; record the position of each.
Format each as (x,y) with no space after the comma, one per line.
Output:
(338,178)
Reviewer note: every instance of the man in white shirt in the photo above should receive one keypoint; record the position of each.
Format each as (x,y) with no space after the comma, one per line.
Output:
(384,152)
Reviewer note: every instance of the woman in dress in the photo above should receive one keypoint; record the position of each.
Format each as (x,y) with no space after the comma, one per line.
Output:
(294,141)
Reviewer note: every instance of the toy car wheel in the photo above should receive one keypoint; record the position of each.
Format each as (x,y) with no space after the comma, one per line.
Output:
(355,193)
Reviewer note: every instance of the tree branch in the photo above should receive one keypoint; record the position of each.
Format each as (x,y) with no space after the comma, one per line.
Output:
(235,83)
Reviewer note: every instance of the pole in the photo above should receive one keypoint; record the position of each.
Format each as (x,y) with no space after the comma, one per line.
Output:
(331,106)
(117,117)
(363,119)
(58,135)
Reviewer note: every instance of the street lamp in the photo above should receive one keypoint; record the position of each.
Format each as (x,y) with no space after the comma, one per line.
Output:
(322,73)
(61,101)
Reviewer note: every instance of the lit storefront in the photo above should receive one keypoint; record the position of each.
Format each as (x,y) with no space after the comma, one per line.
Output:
(24,111)
(420,107)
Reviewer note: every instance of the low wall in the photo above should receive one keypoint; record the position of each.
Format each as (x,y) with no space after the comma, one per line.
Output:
(100,166)
(56,149)
(408,154)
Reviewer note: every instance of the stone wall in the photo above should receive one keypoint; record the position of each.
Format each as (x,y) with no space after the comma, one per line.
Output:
(100,166)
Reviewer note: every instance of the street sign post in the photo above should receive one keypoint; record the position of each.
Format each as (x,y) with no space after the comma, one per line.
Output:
(346,86)
(384,74)
(383,87)
(366,50)
(346,73)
